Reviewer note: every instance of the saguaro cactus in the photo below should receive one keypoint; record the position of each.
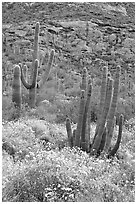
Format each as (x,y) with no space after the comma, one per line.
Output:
(16,88)
(32,95)
(47,71)
(33,85)
(32,91)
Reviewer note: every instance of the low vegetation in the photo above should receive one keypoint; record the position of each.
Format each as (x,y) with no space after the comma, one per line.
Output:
(44,168)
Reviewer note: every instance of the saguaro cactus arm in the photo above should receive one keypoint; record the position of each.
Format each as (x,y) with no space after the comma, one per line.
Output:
(16,87)
(47,70)
(34,80)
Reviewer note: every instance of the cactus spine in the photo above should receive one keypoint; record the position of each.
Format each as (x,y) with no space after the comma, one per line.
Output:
(16,88)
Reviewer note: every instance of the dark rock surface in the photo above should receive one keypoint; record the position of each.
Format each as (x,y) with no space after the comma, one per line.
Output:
(82,34)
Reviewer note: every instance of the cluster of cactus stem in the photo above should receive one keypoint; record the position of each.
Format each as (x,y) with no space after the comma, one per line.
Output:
(22,70)
(80,137)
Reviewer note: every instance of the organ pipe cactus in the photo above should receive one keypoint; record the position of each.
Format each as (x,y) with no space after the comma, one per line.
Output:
(112,110)
(98,138)
(79,135)
(34,72)
(102,95)
(110,104)
(80,119)
(106,118)
(88,126)
(85,115)
(16,88)
(116,147)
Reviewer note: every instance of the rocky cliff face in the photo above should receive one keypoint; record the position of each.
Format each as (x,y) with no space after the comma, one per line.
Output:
(82,34)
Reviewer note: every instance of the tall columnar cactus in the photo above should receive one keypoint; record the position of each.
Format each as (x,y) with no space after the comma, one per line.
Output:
(81,134)
(88,122)
(102,143)
(32,91)
(25,75)
(85,115)
(116,147)
(33,85)
(80,119)
(102,96)
(77,141)
(16,88)
(98,138)
(106,121)
(47,71)
(112,110)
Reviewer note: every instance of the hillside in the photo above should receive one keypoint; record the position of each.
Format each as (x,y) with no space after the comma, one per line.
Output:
(76,42)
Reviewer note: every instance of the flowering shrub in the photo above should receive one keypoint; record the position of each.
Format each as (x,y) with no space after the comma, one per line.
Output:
(52,174)
(69,175)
